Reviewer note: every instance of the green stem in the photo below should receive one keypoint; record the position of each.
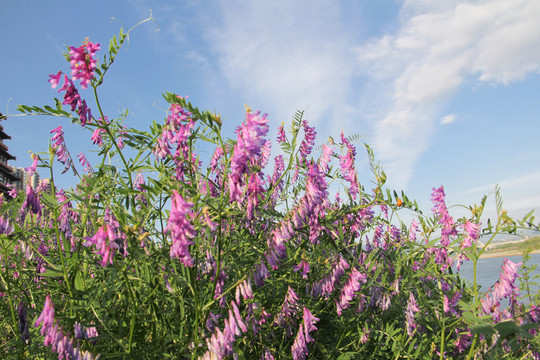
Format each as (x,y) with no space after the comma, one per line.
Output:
(59,237)
(442,340)
(473,345)
(113,140)
(133,307)
(8,288)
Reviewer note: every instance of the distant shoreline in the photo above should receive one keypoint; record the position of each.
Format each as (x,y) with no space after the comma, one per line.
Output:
(493,254)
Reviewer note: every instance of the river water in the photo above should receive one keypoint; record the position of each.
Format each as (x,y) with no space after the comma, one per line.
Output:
(489,270)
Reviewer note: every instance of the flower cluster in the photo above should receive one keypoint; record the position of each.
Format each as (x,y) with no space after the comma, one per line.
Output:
(175,136)
(5,227)
(441,212)
(348,169)
(182,231)
(307,144)
(233,259)
(85,163)
(503,288)
(220,344)
(55,336)
(83,62)
(347,293)
(247,151)
(31,202)
(289,308)
(299,348)
(326,286)
(108,239)
(60,148)
(72,97)
(412,309)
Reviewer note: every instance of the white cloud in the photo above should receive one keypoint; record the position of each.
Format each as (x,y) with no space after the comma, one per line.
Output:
(430,56)
(287,56)
(517,202)
(448,119)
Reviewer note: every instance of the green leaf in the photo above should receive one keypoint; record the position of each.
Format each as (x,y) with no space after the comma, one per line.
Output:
(52,273)
(348,356)
(487,330)
(506,328)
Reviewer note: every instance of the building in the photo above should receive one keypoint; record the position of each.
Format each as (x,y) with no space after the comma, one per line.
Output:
(6,172)
(24,179)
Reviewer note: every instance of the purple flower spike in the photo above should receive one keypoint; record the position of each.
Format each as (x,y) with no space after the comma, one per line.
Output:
(55,337)
(247,151)
(55,79)
(412,308)
(348,169)
(307,144)
(5,226)
(181,229)
(299,348)
(83,62)
(440,210)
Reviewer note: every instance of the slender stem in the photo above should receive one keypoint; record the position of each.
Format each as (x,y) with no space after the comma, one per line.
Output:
(473,345)
(60,237)
(8,288)
(113,140)
(133,307)
(442,341)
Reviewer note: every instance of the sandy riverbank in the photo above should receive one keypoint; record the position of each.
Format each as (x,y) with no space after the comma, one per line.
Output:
(492,254)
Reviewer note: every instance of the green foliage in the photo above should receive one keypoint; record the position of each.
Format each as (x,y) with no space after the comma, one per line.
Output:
(104,254)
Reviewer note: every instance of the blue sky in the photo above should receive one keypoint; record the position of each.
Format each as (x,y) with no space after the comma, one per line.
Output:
(447,92)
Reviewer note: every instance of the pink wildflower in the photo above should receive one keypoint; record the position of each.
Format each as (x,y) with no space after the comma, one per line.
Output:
(299,348)
(55,337)
(347,293)
(220,344)
(441,212)
(31,170)
(139,185)
(260,274)
(99,240)
(289,308)
(62,153)
(304,266)
(325,158)
(13,192)
(327,285)
(31,203)
(472,231)
(281,134)
(412,309)
(244,291)
(254,192)
(181,229)
(218,153)
(71,97)
(83,62)
(307,144)
(348,170)
(247,151)
(5,226)
(84,162)
(96,136)
(55,79)
(503,288)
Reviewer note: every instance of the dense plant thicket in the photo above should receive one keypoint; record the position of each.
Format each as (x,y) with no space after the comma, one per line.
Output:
(159,252)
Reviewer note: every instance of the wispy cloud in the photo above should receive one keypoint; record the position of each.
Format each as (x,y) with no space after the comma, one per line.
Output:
(448,119)
(432,54)
(282,56)
(517,201)
(287,56)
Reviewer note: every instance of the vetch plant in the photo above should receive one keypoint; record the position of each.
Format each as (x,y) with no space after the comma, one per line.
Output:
(164,253)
